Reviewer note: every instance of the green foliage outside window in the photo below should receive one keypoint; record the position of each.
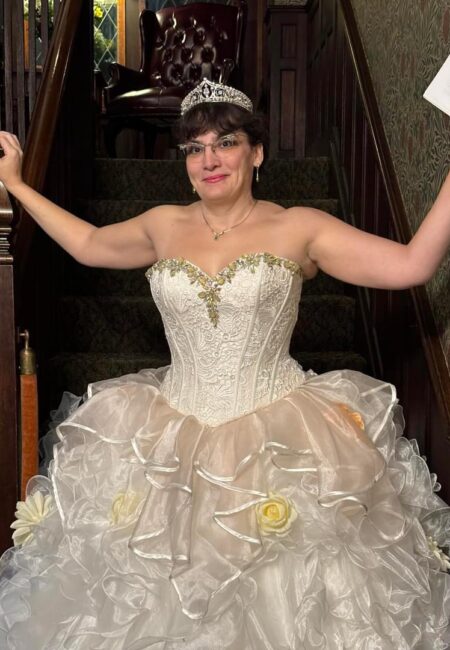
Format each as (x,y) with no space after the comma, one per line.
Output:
(105,34)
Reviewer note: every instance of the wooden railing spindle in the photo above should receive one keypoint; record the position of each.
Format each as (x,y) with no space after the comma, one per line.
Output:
(20,70)
(8,59)
(32,86)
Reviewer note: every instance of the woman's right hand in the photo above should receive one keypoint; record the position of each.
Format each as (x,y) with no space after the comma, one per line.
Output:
(10,161)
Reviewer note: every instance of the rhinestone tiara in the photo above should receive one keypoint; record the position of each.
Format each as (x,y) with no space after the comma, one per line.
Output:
(209,91)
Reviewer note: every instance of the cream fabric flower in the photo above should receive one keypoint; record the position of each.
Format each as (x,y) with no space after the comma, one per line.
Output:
(124,506)
(275,515)
(29,514)
(439,554)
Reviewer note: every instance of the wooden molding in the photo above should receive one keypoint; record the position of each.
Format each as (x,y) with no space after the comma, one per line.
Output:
(121,32)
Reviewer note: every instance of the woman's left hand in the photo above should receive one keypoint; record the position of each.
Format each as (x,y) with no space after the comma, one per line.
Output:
(11,160)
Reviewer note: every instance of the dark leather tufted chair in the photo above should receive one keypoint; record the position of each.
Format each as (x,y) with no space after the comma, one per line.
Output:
(180,46)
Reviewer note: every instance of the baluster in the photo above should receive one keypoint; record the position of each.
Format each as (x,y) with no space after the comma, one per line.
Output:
(8,59)
(44,28)
(20,69)
(32,86)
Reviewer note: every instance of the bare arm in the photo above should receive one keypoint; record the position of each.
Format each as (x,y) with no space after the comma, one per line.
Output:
(364,259)
(122,245)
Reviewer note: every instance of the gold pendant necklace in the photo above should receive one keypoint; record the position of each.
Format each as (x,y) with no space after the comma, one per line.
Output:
(218,233)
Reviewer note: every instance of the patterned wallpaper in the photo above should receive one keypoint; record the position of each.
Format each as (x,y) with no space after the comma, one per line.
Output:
(406,42)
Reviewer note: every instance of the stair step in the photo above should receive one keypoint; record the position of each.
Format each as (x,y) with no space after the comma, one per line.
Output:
(133,324)
(167,180)
(103,212)
(85,280)
(73,372)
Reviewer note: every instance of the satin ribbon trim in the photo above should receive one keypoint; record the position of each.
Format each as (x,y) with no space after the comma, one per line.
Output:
(197,617)
(233,511)
(216,481)
(171,486)
(341,496)
(241,465)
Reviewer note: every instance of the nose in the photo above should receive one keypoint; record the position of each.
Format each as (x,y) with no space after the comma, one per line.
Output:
(210,158)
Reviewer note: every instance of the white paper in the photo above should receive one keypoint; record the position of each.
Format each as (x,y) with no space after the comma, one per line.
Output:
(438,92)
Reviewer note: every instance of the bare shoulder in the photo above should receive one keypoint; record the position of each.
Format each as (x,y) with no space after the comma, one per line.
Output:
(308,216)
(163,222)
(164,216)
(301,223)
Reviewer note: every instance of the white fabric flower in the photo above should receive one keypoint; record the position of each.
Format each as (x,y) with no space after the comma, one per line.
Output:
(439,554)
(275,515)
(124,506)
(29,514)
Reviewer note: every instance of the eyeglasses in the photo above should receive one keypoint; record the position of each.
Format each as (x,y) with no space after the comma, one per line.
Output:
(221,147)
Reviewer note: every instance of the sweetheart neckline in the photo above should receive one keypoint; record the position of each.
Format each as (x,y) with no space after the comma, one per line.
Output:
(241,257)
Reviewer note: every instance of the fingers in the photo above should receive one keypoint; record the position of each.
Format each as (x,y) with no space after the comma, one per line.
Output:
(9,142)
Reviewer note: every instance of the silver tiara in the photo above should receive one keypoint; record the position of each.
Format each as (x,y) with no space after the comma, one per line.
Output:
(208,91)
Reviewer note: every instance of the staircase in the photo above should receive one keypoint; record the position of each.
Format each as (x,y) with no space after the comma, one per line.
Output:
(107,322)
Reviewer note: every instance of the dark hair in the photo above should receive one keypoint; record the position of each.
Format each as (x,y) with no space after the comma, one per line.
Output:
(223,118)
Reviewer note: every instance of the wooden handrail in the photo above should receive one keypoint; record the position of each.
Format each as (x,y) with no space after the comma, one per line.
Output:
(439,370)
(44,118)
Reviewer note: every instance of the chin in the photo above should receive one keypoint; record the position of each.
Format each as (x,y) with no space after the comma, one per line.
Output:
(216,190)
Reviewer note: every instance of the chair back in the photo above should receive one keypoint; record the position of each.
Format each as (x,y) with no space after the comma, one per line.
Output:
(181,45)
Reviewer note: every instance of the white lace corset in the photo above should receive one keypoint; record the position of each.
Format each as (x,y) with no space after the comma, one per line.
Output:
(229,334)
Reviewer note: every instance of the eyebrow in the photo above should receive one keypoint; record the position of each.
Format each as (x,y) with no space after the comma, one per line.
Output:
(224,135)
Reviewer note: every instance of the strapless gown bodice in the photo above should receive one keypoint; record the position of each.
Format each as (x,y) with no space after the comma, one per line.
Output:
(229,334)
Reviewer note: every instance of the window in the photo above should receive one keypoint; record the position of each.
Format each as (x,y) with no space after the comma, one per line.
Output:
(109,33)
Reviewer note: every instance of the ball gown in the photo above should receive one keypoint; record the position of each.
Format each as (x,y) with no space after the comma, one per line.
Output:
(230,500)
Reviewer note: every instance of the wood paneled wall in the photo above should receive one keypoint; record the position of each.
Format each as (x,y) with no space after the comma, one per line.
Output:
(287,47)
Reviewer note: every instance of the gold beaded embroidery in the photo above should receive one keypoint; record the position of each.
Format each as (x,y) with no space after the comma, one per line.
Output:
(211,285)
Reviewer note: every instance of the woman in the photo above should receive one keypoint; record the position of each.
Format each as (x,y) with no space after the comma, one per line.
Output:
(231,500)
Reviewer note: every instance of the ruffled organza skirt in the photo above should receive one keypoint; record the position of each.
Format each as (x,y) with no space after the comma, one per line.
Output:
(305,524)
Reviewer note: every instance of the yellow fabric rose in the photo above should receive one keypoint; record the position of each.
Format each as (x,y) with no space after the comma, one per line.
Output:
(275,515)
(124,506)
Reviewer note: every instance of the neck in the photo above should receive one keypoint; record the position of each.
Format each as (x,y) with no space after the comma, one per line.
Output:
(223,215)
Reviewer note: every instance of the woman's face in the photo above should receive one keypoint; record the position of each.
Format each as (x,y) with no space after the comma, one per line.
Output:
(221,167)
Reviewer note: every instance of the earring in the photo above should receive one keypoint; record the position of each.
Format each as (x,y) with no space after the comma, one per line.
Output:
(257,174)
(194,191)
